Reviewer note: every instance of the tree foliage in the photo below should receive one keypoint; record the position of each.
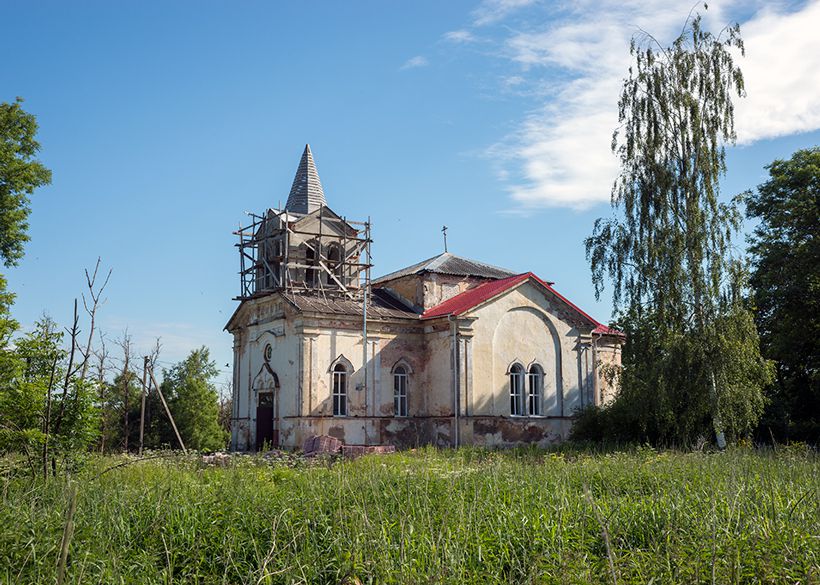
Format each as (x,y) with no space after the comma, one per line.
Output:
(20,174)
(785,280)
(194,401)
(692,358)
(47,411)
(114,407)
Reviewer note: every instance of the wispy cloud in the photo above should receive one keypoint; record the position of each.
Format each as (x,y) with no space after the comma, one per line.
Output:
(491,11)
(177,340)
(415,62)
(459,36)
(560,155)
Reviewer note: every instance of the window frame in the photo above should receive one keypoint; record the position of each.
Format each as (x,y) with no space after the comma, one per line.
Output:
(339,397)
(516,380)
(535,396)
(401,382)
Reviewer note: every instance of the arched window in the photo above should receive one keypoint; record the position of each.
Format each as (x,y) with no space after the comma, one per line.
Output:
(334,261)
(400,391)
(311,273)
(535,384)
(339,390)
(516,390)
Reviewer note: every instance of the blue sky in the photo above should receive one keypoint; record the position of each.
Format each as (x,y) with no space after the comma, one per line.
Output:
(163,122)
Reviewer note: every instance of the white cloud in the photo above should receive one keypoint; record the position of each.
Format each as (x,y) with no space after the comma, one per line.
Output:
(491,11)
(560,155)
(415,62)
(782,74)
(459,36)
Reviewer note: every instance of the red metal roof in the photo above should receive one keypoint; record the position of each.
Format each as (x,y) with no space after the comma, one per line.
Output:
(604,330)
(473,297)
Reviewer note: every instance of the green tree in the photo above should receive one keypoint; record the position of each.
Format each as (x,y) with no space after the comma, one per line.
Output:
(114,407)
(667,247)
(20,174)
(785,281)
(47,412)
(194,402)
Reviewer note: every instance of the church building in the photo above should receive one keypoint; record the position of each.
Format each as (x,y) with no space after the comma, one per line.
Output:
(449,351)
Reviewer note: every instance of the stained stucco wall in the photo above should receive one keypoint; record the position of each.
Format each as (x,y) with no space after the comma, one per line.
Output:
(609,363)
(305,350)
(423,291)
(525,327)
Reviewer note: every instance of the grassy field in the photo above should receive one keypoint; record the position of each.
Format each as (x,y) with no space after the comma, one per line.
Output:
(428,516)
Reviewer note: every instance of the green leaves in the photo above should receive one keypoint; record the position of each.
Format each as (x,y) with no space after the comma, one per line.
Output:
(194,401)
(20,175)
(667,249)
(785,250)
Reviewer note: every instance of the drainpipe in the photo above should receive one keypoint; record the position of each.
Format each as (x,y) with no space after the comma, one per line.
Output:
(454,329)
(364,344)
(596,387)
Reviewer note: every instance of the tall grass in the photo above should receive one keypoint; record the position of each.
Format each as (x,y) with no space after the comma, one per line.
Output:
(469,516)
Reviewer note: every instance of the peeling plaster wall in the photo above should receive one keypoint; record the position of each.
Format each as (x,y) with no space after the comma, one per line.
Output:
(268,322)
(525,327)
(430,289)
(305,350)
(437,288)
(609,357)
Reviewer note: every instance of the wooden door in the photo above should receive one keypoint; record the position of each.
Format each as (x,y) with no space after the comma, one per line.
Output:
(265,428)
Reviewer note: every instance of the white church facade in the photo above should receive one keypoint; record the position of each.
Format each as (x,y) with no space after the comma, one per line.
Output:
(449,351)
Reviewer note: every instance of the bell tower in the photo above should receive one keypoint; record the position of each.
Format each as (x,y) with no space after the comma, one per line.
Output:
(305,248)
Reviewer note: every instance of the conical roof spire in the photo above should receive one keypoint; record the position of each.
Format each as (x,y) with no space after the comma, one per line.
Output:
(306,194)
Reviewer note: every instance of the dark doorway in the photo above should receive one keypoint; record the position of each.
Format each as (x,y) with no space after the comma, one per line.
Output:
(265,431)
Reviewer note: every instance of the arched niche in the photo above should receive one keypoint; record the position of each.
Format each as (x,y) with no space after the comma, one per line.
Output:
(527,335)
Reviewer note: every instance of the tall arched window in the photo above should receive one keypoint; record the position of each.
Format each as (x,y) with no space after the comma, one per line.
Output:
(334,262)
(339,390)
(311,273)
(516,390)
(535,384)
(400,391)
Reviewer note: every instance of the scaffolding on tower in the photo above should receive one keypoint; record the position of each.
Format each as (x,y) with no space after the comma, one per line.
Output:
(277,255)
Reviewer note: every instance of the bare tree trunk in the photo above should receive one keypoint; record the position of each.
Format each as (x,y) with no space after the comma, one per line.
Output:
(142,406)
(69,372)
(125,380)
(91,281)
(103,356)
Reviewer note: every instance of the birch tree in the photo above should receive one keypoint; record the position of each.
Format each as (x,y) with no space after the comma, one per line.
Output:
(692,358)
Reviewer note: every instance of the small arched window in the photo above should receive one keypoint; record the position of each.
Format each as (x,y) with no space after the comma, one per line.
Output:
(535,384)
(339,390)
(400,391)
(516,390)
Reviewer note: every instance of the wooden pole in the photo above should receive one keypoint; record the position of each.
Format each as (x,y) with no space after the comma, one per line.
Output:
(167,410)
(125,373)
(142,407)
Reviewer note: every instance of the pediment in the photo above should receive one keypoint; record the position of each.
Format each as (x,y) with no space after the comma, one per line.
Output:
(535,293)
(332,224)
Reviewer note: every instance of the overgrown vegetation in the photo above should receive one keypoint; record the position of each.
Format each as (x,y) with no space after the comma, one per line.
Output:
(467,516)
(691,366)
